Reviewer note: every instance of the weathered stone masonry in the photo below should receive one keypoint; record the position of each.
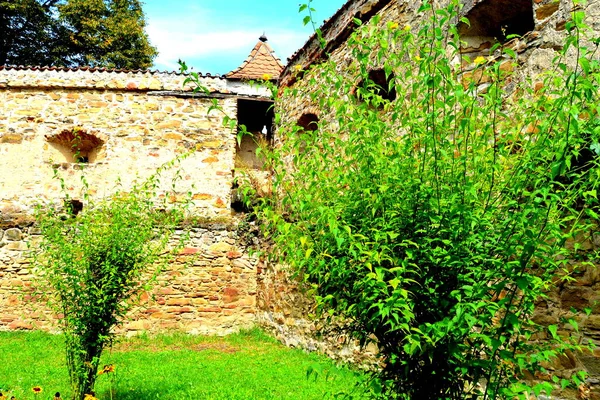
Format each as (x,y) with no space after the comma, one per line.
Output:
(132,123)
(281,306)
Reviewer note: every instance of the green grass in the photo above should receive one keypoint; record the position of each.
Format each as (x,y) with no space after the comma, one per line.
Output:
(244,366)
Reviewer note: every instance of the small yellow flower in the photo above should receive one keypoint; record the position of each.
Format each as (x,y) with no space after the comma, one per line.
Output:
(394,25)
(417,58)
(266,77)
(479,60)
(90,396)
(107,369)
(297,67)
(37,389)
(406,28)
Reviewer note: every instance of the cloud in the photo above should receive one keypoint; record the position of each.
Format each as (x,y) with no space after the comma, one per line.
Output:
(202,43)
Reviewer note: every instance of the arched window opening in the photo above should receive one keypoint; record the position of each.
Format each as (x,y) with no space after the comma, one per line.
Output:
(309,122)
(76,145)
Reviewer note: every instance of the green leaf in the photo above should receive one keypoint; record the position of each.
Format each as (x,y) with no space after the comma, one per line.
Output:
(553,330)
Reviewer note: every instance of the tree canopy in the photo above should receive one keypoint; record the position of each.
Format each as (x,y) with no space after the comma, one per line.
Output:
(98,33)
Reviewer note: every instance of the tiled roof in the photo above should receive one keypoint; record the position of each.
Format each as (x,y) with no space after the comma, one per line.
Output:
(262,60)
(335,31)
(95,69)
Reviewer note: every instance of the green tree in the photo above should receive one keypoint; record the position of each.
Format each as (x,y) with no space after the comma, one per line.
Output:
(29,35)
(434,223)
(97,261)
(98,33)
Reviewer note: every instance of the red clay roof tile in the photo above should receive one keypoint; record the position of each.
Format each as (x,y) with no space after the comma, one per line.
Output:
(262,60)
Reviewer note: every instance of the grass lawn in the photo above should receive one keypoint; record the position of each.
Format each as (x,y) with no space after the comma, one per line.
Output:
(245,366)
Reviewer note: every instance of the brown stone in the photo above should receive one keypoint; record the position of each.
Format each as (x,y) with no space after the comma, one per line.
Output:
(181,310)
(13,234)
(593,322)
(16,246)
(546,10)
(169,124)
(210,309)
(178,302)
(202,196)
(233,254)
(172,136)
(210,160)
(230,295)
(13,138)
(576,297)
(189,250)
(20,325)
(209,144)
(137,326)
(219,203)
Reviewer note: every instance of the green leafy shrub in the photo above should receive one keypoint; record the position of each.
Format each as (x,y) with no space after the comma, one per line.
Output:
(96,261)
(434,223)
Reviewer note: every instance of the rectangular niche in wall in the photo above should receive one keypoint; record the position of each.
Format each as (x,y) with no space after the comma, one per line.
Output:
(257,117)
(492,21)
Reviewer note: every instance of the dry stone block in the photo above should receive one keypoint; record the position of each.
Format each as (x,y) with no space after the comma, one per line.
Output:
(16,246)
(546,10)
(13,234)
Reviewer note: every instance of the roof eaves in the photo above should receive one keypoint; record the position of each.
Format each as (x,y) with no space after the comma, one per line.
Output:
(97,69)
(312,50)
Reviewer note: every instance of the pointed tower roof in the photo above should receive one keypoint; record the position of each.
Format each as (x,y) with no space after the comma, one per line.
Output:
(262,60)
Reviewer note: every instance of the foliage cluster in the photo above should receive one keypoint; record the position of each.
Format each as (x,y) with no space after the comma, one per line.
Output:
(434,223)
(97,33)
(97,261)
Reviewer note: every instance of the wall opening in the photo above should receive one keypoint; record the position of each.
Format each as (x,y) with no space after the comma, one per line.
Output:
(76,145)
(257,117)
(73,207)
(309,122)
(377,83)
(494,20)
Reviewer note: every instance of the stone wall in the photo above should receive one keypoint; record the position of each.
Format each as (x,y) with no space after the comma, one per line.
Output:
(283,308)
(129,124)
(139,130)
(209,288)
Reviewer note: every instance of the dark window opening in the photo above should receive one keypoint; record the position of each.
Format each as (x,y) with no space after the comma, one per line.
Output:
(498,19)
(309,122)
(257,118)
(377,83)
(76,145)
(73,207)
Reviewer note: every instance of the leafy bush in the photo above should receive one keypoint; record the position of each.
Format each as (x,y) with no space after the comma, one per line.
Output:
(435,222)
(96,262)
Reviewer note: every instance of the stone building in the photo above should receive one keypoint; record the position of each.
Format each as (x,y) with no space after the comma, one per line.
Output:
(126,124)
